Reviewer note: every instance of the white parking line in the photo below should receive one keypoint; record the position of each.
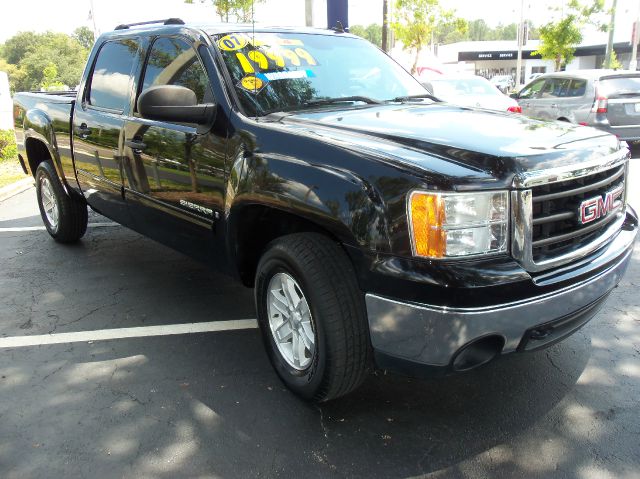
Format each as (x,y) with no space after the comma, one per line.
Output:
(42,228)
(123,333)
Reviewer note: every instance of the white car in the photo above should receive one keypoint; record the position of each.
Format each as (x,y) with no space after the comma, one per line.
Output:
(6,105)
(471,90)
(504,83)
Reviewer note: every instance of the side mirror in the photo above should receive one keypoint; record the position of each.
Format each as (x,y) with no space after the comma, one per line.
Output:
(428,86)
(175,104)
(514,95)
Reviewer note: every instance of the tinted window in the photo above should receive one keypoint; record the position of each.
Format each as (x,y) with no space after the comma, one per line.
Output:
(577,88)
(174,62)
(555,87)
(531,90)
(621,86)
(111,74)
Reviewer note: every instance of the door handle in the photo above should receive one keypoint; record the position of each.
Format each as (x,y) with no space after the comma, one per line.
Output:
(554,105)
(136,145)
(83,131)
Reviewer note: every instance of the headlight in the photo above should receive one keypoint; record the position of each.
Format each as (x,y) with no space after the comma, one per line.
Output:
(444,225)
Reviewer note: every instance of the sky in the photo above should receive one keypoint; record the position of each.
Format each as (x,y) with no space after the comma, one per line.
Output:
(66,15)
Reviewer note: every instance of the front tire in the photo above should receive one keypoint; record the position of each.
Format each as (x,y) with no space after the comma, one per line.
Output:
(312,316)
(64,216)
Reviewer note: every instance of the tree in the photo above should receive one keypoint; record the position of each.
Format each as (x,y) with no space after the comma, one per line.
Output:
(478,30)
(560,38)
(50,78)
(84,36)
(27,55)
(419,21)
(373,33)
(241,9)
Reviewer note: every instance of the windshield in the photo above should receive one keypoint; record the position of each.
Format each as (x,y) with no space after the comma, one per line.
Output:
(285,71)
(463,86)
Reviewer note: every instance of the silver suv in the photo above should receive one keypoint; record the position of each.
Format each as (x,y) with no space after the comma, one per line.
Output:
(605,99)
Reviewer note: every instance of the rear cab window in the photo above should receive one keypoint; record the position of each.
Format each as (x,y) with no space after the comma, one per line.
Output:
(110,80)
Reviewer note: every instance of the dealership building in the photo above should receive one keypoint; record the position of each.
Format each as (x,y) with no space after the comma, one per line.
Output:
(491,58)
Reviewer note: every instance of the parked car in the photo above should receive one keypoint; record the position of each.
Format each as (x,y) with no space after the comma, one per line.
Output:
(6,105)
(504,83)
(533,76)
(605,99)
(378,226)
(471,90)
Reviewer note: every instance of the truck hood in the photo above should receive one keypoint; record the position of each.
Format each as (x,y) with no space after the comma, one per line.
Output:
(486,144)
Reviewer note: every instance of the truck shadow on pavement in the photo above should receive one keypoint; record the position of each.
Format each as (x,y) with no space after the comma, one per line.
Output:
(209,404)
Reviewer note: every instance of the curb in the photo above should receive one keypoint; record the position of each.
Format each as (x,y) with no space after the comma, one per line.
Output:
(15,188)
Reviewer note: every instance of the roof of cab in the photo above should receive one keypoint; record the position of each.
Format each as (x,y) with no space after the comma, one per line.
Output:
(220,28)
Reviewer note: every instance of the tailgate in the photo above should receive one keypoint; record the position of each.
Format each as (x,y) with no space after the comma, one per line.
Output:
(623,93)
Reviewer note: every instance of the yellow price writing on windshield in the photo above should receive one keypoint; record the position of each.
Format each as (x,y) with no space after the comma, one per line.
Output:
(232,42)
(256,60)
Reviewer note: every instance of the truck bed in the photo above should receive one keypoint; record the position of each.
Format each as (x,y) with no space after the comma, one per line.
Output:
(49,119)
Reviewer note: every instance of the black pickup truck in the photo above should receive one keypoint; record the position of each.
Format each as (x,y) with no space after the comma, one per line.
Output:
(379,226)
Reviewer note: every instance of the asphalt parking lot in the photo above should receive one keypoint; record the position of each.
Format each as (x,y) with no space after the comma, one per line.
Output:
(184,400)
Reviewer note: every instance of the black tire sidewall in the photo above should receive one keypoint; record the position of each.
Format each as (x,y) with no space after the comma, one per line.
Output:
(305,383)
(43,172)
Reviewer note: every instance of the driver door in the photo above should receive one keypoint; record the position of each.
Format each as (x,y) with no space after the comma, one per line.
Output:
(176,171)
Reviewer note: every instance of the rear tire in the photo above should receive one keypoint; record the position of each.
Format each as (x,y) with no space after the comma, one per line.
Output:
(64,216)
(333,331)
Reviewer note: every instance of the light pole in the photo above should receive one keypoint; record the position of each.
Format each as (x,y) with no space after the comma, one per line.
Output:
(520,42)
(385,25)
(308,12)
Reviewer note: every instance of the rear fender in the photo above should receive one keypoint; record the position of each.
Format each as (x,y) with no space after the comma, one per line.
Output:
(37,126)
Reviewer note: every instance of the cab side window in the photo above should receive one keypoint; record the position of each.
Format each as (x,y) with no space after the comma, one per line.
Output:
(173,61)
(110,80)
(532,90)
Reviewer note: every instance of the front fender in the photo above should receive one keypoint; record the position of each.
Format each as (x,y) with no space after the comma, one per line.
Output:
(347,206)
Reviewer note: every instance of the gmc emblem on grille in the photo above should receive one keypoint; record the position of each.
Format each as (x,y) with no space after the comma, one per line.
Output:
(599,206)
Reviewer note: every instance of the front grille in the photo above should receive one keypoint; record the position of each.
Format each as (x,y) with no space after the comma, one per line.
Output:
(556,227)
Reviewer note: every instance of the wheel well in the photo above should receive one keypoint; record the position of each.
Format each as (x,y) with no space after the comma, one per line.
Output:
(564,119)
(37,152)
(257,227)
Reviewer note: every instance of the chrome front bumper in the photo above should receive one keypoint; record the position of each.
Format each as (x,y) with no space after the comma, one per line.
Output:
(432,335)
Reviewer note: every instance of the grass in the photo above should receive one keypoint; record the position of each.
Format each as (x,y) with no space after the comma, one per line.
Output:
(10,172)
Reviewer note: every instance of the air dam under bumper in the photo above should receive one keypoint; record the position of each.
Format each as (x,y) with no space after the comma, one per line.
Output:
(421,339)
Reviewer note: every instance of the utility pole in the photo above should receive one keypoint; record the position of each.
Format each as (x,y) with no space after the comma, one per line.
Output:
(612,25)
(308,12)
(92,14)
(520,43)
(633,62)
(385,25)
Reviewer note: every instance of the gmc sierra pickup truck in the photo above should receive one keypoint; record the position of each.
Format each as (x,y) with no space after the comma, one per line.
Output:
(378,226)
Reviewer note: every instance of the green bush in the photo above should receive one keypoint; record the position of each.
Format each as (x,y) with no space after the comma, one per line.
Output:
(8,149)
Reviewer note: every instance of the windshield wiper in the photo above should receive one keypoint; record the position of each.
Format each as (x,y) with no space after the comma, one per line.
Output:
(342,99)
(415,97)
